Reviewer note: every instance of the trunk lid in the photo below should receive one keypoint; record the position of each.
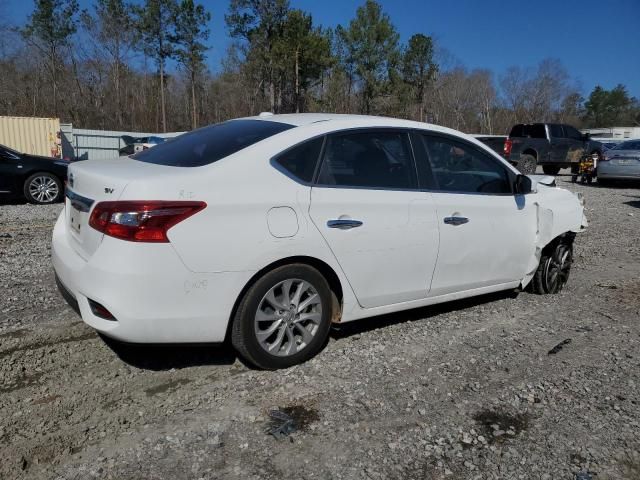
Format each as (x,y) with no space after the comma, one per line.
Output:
(90,182)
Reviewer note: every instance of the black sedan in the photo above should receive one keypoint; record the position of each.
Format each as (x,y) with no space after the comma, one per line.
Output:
(38,179)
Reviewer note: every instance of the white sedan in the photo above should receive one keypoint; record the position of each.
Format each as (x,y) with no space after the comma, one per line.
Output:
(265,230)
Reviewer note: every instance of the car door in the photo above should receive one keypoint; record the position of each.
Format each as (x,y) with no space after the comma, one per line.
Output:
(559,144)
(9,171)
(575,144)
(381,228)
(487,232)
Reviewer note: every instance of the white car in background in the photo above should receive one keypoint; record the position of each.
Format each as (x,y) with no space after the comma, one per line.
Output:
(266,230)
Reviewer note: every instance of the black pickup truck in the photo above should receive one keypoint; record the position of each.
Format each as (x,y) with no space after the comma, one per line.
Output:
(551,145)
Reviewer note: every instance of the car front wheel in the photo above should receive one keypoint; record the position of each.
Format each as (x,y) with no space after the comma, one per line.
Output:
(554,268)
(42,188)
(284,317)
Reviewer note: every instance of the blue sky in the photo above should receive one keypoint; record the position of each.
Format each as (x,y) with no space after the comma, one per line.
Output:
(598,41)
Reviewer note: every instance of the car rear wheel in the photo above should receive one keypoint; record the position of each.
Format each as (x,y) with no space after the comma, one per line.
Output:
(527,164)
(554,268)
(284,317)
(550,169)
(43,188)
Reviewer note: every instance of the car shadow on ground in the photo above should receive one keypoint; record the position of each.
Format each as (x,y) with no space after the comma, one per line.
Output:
(12,201)
(167,357)
(618,184)
(368,324)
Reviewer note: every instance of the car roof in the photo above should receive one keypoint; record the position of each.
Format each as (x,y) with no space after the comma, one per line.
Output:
(342,121)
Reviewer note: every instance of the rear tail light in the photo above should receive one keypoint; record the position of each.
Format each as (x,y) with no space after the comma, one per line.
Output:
(508,144)
(141,221)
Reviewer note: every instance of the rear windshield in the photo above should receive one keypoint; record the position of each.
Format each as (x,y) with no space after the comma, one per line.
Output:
(210,144)
(635,145)
(535,130)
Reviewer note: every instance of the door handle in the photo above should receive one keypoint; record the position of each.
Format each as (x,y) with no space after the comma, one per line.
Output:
(456,220)
(344,224)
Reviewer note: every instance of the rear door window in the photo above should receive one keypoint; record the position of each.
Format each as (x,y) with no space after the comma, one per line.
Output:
(538,130)
(301,160)
(371,159)
(210,144)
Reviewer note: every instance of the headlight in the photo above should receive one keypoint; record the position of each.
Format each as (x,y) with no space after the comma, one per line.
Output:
(581,199)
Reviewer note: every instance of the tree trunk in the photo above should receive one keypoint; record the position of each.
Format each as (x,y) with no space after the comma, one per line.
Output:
(162,105)
(297,82)
(54,81)
(194,114)
(118,101)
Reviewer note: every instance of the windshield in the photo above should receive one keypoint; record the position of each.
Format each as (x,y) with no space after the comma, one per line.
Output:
(210,144)
(632,145)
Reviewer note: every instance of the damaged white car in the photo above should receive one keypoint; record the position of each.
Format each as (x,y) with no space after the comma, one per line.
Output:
(266,230)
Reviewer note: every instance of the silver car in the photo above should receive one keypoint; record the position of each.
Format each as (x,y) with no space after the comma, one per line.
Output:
(621,162)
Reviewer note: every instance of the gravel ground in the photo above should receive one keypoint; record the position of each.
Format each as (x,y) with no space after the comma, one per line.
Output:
(467,390)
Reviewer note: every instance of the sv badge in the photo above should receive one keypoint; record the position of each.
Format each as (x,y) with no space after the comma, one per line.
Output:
(108,190)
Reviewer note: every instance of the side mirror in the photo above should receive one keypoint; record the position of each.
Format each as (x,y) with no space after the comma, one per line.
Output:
(586,136)
(522,185)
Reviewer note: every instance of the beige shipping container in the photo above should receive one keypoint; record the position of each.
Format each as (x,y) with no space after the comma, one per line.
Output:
(36,136)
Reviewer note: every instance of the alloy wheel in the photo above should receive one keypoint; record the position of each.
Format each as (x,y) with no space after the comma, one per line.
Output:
(43,189)
(288,317)
(557,269)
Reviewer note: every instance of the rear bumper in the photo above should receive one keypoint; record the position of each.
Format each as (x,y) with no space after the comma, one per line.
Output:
(613,171)
(152,295)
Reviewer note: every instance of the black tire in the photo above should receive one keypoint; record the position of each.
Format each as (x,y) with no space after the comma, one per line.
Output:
(554,268)
(51,191)
(243,330)
(527,164)
(575,168)
(550,169)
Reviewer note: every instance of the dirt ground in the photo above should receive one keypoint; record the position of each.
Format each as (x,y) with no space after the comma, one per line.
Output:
(467,390)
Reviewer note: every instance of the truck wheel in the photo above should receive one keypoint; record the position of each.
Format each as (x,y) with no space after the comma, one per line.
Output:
(527,165)
(550,169)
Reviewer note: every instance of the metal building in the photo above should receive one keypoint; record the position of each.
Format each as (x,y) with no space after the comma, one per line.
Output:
(36,136)
(622,133)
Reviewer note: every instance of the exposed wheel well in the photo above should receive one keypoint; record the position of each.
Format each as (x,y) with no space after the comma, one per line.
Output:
(531,152)
(566,237)
(327,272)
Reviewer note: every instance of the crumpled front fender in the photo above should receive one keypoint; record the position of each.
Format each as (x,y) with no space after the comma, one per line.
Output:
(558,212)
